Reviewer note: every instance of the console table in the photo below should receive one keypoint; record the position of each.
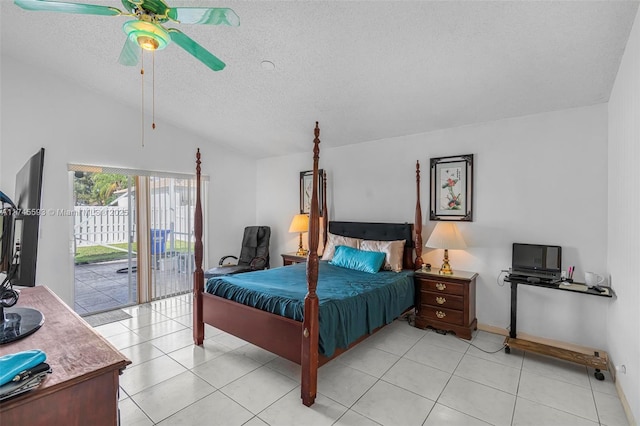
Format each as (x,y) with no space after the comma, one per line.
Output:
(596,359)
(83,388)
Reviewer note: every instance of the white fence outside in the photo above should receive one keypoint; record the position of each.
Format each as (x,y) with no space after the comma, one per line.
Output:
(104,225)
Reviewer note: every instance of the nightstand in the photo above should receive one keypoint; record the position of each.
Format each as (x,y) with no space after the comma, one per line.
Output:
(446,302)
(291,258)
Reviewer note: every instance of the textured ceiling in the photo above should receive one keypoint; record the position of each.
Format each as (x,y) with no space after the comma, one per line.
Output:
(366,70)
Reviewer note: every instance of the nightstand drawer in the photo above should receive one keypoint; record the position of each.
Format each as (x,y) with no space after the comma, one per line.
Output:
(440,299)
(441,286)
(439,313)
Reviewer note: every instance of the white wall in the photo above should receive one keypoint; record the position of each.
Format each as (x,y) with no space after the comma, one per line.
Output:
(75,125)
(538,179)
(623,326)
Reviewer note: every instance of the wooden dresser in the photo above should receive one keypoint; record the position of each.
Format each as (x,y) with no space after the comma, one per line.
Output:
(83,388)
(446,302)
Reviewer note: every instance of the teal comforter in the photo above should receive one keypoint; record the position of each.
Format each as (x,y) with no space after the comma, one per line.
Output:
(352,303)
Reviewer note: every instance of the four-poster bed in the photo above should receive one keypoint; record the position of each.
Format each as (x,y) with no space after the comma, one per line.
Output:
(313,332)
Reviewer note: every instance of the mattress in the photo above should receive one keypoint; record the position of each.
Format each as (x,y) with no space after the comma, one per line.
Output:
(351,303)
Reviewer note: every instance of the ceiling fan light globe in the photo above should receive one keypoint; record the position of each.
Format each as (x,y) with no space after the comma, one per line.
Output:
(147,35)
(147,43)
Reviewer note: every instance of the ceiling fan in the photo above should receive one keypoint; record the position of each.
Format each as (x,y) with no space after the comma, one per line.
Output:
(147,30)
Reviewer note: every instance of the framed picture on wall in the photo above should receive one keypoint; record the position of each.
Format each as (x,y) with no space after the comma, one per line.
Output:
(306,188)
(451,191)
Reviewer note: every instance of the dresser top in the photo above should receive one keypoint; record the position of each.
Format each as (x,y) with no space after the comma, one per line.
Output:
(457,274)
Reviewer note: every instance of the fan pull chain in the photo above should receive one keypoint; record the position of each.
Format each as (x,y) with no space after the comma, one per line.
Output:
(153,90)
(142,91)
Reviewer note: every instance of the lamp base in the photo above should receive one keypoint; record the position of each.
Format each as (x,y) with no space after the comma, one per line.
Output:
(302,252)
(445,269)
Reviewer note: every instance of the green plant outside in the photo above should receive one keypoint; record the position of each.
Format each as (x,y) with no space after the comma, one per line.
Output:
(95,254)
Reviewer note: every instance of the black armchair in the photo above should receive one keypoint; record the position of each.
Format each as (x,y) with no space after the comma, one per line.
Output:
(254,254)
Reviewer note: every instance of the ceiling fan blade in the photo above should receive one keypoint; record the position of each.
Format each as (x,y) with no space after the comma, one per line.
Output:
(54,6)
(195,49)
(130,54)
(203,15)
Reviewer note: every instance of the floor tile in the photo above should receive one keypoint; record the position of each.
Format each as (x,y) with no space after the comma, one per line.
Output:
(159,329)
(530,413)
(124,340)
(556,369)
(491,352)
(448,341)
(225,369)
(438,357)
(255,422)
(557,394)
(418,378)
(603,386)
(489,373)
(368,360)
(228,340)
(389,340)
(266,385)
(142,352)
(144,318)
(256,353)
(610,409)
(191,356)
(479,401)
(147,374)
(168,397)
(390,405)
(174,341)
(218,410)
(111,329)
(132,415)
(351,418)
(286,367)
(343,383)
(445,416)
(289,411)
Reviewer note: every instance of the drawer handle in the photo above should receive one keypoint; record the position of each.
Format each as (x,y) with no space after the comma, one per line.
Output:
(440,300)
(440,314)
(441,286)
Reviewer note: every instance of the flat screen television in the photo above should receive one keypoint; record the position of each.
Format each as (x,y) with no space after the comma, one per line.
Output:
(20,226)
(537,260)
(26,223)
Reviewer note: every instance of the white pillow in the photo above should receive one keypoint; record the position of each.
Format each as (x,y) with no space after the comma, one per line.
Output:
(334,241)
(393,252)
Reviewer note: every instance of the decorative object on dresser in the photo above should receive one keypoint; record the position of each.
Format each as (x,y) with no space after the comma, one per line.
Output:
(451,190)
(300,224)
(446,236)
(292,259)
(446,303)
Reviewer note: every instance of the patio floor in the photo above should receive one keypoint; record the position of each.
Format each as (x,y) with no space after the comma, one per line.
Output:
(99,287)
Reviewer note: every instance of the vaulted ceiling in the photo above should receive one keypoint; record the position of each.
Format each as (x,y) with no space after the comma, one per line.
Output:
(366,70)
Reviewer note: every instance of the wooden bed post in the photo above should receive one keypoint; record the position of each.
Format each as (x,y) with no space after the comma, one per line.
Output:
(310,326)
(418,222)
(325,212)
(198,274)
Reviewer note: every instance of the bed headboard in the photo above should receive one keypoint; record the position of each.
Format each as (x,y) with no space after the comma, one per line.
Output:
(379,232)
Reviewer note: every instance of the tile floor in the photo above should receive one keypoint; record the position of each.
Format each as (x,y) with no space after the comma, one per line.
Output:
(401,376)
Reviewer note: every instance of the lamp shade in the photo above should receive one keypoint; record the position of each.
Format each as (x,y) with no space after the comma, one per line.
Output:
(300,223)
(446,236)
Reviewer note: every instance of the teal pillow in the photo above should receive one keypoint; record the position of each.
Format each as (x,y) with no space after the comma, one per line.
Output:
(360,260)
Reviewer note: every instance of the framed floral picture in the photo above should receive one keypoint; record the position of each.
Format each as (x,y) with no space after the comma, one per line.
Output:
(306,188)
(451,191)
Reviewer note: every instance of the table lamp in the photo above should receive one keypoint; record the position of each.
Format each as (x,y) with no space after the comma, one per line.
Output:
(446,236)
(300,224)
